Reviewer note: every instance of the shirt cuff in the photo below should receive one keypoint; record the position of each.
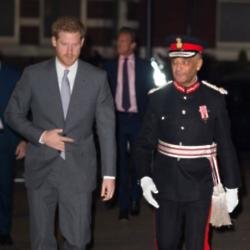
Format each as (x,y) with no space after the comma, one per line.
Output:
(41,138)
(109,177)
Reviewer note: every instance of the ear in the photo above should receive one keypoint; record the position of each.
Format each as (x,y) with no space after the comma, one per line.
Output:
(133,45)
(82,42)
(53,41)
(199,64)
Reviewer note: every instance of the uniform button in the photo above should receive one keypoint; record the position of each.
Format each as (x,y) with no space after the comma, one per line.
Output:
(182,127)
(185,97)
(180,143)
(183,111)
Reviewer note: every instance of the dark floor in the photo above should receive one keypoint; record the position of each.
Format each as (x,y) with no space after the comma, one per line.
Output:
(137,233)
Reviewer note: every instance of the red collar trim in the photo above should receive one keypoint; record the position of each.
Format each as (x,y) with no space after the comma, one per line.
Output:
(187,90)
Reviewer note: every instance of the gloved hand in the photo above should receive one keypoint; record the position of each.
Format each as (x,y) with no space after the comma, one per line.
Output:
(148,187)
(232,199)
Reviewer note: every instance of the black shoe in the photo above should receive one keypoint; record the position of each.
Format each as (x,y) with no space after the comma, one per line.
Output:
(123,214)
(5,239)
(135,208)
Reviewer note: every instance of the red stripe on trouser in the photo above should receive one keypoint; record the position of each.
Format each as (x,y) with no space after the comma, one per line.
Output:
(155,238)
(206,236)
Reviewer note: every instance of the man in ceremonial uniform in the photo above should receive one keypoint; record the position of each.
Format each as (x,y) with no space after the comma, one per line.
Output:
(185,125)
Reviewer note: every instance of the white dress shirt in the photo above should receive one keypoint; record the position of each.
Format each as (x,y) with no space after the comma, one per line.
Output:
(71,75)
(131,81)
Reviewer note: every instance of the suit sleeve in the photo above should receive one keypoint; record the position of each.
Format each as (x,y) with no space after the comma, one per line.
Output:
(228,163)
(105,124)
(9,78)
(147,142)
(16,114)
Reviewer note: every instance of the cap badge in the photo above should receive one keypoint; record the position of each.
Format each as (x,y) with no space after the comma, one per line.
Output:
(179,43)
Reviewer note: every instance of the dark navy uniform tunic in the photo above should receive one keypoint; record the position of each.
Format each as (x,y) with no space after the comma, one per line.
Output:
(173,116)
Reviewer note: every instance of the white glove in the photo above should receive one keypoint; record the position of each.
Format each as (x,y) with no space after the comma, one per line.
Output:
(148,187)
(232,199)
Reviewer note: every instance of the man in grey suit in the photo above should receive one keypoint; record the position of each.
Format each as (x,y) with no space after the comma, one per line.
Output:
(66,97)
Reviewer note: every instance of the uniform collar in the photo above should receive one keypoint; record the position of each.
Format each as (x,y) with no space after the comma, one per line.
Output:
(187,90)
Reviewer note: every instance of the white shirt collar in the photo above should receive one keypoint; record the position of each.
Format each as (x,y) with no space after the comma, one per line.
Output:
(71,75)
(130,57)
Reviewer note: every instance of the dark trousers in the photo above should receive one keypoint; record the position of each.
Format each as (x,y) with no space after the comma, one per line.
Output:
(177,219)
(6,185)
(74,212)
(128,187)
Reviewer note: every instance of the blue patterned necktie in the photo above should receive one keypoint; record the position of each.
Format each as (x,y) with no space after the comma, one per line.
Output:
(65,97)
(65,92)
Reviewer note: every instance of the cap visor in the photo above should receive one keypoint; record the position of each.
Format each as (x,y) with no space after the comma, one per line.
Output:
(182,54)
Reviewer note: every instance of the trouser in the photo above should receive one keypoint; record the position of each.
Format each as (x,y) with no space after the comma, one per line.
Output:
(74,215)
(177,219)
(128,186)
(6,185)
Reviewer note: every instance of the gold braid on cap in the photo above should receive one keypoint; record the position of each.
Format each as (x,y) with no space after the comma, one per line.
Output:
(179,43)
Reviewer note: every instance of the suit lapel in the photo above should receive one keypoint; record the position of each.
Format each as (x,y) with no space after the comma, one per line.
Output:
(114,74)
(137,80)
(77,95)
(54,92)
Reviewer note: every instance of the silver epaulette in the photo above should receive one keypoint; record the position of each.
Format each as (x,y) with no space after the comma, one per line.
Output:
(214,87)
(158,88)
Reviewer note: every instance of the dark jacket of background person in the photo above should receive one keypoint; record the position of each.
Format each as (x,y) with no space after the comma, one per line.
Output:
(8,143)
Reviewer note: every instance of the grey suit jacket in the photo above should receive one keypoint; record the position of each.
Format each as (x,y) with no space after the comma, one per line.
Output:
(91,103)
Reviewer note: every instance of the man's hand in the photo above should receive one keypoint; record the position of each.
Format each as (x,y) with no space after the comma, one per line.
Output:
(21,150)
(232,199)
(108,189)
(53,139)
(148,187)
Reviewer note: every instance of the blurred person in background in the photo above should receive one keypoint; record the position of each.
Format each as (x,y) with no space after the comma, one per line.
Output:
(130,78)
(11,148)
